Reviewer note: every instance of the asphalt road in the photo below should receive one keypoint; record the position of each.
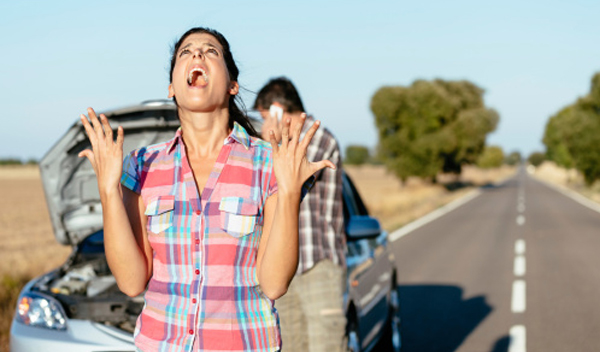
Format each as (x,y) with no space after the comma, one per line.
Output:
(515,269)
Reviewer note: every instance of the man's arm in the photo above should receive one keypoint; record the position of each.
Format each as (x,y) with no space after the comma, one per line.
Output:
(331,205)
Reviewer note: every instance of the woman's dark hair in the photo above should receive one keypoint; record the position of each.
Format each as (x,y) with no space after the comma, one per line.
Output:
(279,90)
(235,113)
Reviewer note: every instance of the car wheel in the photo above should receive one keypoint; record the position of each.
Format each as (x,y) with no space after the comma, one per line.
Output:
(352,336)
(393,329)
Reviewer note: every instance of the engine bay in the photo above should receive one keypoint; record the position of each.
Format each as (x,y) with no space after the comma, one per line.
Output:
(87,289)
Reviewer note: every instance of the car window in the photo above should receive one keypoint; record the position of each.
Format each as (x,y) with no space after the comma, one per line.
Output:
(353,204)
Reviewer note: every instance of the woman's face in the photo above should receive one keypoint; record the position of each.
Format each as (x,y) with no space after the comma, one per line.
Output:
(200,80)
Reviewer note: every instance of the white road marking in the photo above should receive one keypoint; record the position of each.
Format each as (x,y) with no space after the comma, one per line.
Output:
(520,247)
(517,333)
(410,227)
(519,268)
(518,296)
(517,339)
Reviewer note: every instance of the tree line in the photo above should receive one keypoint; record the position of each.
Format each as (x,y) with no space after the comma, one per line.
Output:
(17,161)
(432,127)
(572,135)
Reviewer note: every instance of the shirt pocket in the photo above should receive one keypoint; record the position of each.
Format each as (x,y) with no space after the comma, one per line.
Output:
(238,215)
(160,213)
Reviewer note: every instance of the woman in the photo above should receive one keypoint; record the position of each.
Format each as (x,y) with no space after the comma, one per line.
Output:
(208,221)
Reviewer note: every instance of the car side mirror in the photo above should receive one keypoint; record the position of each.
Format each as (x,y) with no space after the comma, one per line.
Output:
(360,227)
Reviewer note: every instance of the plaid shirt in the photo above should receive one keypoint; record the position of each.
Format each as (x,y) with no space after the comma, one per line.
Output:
(204,293)
(321,211)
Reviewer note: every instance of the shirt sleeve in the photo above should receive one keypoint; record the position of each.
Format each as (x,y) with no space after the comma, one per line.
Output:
(331,195)
(130,177)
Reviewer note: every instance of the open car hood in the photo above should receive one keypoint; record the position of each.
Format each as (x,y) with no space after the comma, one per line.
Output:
(69,182)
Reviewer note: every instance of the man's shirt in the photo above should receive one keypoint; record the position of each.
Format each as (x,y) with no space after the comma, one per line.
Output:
(321,211)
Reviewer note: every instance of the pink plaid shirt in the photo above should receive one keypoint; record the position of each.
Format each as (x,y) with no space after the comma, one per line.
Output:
(204,293)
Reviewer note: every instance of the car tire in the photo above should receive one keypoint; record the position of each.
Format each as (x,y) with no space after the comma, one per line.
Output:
(352,336)
(391,338)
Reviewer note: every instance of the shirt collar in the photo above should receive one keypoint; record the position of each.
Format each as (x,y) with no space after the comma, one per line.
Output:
(173,142)
(238,134)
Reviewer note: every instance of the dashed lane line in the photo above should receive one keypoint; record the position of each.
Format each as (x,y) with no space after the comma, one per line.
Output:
(520,247)
(519,268)
(517,339)
(518,296)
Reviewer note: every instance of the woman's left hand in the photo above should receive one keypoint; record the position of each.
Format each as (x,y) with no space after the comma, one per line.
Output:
(292,168)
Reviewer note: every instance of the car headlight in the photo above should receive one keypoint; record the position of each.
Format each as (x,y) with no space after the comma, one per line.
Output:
(40,311)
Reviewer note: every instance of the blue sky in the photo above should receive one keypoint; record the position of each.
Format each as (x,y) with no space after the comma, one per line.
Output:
(532,58)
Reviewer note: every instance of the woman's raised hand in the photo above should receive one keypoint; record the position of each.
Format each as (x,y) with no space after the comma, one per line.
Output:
(106,155)
(292,168)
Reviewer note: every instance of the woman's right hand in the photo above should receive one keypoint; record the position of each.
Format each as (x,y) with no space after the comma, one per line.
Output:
(106,155)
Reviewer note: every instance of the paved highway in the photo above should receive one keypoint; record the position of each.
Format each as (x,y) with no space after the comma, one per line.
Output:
(516,269)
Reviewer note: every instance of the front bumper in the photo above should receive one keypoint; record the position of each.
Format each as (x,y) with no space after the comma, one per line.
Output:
(80,336)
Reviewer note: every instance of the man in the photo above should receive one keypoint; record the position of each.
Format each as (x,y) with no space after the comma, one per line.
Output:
(311,312)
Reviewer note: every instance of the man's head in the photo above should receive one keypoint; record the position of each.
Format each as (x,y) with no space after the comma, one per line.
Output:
(281,93)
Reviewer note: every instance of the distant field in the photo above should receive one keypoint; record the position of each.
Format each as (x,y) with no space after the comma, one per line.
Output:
(569,178)
(395,203)
(27,244)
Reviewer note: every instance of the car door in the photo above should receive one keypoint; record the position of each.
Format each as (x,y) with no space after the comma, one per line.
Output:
(369,270)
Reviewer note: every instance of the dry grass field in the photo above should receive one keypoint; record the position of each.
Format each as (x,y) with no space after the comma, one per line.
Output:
(569,178)
(27,244)
(28,247)
(395,203)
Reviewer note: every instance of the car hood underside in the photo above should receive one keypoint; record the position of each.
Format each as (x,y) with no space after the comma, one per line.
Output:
(70,183)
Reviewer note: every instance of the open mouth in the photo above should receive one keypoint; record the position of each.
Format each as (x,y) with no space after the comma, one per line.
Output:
(197,77)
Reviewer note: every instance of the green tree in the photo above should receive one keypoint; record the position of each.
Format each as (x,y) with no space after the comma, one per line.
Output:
(555,135)
(514,158)
(491,157)
(572,136)
(10,161)
(431,126)
(356,155)
(536,158)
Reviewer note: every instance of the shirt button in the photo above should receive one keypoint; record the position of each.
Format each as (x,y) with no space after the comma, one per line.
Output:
(198,212)
(197,241)
(197,272)
(191,332)
(194,300)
